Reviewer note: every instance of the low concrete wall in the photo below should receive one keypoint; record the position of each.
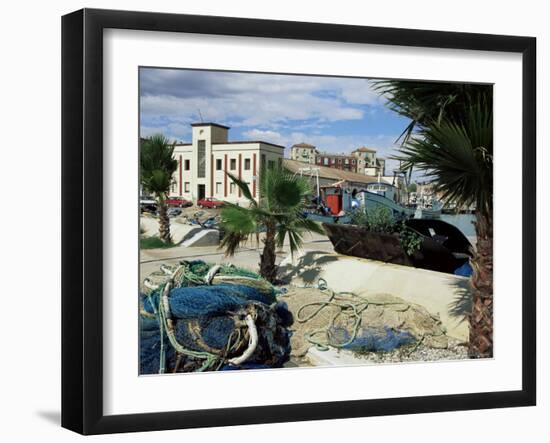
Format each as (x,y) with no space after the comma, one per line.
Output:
(205,237)
(439,293)
(179,231)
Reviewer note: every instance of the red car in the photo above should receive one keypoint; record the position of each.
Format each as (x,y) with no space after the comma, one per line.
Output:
(178,202)
(210,202)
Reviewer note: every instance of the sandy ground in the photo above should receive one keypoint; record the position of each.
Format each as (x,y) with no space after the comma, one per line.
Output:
(436,291)
(179,226)
(247,256)
(433,290)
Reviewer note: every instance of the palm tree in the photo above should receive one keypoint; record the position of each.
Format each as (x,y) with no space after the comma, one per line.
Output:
(278,212)
(451,140)
(157,167)
(424,103)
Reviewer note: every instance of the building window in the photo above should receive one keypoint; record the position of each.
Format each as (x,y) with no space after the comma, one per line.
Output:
(186,187)
(201,166)
(174,186)
(247,164)
(218,187)
(218,164)
(187,165)
(262,161)
(232,188)
(233,164)
(271,164)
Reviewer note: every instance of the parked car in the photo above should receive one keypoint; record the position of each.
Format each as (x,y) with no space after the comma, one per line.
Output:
(210,202)
(178,202)
(149,208)
(147,200)
(174,212)
(211,223)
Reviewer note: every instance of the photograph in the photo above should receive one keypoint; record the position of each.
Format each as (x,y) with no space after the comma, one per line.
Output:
(298,221)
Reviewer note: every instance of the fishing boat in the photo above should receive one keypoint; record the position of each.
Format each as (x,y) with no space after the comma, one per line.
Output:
(443,247)
(332,204)
(433,209)
(381,194)
(428,206)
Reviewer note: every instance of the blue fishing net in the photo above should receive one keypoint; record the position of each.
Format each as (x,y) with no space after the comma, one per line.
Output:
(373,340)
(465,270)
(204,321)
(196,301)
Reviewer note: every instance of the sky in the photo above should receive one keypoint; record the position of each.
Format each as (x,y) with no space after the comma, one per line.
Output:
(335,114)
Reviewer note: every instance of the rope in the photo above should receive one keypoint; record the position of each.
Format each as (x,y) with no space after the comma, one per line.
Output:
(199,273)
(176,277)
(166,327)
(354,310)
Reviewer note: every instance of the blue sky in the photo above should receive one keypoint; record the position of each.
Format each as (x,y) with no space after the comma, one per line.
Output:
(335,114)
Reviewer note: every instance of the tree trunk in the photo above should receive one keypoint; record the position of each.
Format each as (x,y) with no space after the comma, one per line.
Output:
(268,268)
(164,223)
(481,317)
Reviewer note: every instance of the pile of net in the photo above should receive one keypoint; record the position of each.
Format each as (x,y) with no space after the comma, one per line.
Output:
(362,322)
(199,317)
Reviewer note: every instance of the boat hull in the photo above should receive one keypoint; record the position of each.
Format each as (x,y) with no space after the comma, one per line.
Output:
(430,213)
(328,218)
(433,253)
(372,201)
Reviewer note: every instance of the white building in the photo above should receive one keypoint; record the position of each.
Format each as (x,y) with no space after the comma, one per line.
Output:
(202,164)
(368,163)
(304,152)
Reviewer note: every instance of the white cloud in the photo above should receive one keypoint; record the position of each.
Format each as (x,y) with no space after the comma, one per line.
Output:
(252,100)
(281,109)
(268,136)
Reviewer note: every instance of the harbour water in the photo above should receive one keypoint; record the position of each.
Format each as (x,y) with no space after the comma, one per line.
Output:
(464,222)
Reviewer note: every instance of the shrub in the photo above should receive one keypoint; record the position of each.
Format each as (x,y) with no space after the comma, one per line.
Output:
(153,243)
(381,220)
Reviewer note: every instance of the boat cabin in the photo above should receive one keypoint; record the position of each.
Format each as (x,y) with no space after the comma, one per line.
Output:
(337,199)
(384,189)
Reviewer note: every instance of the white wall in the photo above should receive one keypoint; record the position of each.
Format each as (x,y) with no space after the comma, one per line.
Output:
(30,109)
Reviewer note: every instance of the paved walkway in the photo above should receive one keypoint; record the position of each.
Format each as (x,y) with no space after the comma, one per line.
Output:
(246,257)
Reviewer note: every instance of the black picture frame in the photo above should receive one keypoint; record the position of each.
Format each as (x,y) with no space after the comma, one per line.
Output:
(82,218)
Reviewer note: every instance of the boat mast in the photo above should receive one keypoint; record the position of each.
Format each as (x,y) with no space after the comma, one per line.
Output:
(311,171)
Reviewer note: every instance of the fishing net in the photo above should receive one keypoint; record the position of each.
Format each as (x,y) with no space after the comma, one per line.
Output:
(361,322)
(197,273)
(199,317)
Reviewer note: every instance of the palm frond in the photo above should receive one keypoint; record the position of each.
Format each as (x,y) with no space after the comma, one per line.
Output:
(157,164)
(294,230)
(282,192)
(243,186)
(426,103)
(278,213)
(457,157)
(295,238)
(239,220)
(239,224)
(231,242)
(306,224)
